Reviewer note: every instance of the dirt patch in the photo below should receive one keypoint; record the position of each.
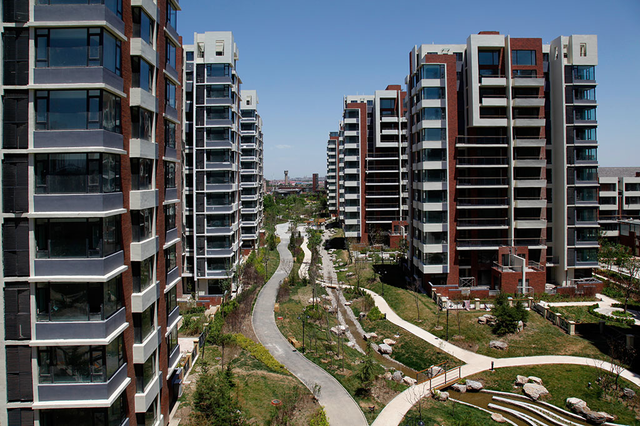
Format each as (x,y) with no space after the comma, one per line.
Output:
(382,393)
(470,346)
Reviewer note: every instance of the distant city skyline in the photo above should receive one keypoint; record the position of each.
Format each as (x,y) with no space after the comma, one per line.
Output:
(301,69)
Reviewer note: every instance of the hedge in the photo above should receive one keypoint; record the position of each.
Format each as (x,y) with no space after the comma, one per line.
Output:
(592,311)
(259,352)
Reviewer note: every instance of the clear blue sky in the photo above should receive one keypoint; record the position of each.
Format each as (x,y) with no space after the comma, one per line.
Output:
(303,56)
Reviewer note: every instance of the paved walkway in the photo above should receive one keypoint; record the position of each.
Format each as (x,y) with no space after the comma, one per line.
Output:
(341,408)
(303,272)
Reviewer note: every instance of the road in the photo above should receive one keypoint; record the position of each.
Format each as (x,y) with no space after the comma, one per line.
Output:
(340,407)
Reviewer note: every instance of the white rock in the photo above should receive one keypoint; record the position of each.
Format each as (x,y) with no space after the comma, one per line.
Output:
(387,375)
(434,370)
(576,405)
(385,349)
(369,336)
(397,376)
(442,396)
(534,391)
(534,379)
(498,344)
(389,342)
(521,380)
(473,385)
(629,393)
(497,417)
(459,387)
(409,380)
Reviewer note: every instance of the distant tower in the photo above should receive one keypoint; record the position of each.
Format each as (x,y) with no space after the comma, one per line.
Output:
(286,178)
(314,186)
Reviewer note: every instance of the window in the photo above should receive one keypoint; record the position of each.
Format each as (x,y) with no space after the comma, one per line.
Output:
(488,57)
(170,262)
(219,113)
(141,174)
(77,173)
(584,72)
(77,110)
(149,418)
(387,107)
(114,6)
(142,25)
(584,94)
(586,215)
(170,93)
(587,255)
(218,91)
(141,121)
(431,71)
(214,221)
(111,416)
(77,238)
(16,55)
(432,93)
(78,301)
(145,373)
(169,217)
(458,56)
(218,70)
(171,300)
(171,53)
(78,47)
(219,47)
(523,57)
(142,224)
(583,49)
(169,134)
(142,273)
(585,114)
(80,364)
(144,324)
(172,340)
(586,154)
(169,175)
(587,234)
(218,134)
(433,114)
(172,15)
(190,57)
(142,74)
(524,73)
(586,134)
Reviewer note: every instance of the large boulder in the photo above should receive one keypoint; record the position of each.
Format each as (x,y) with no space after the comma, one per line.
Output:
(596,417)
(576,405)
(521,380)
(520,327)
(473,385)
(442,396)
(434,370)
(369,336)
(338,330)
(534,391)
(459,387)
(387,375)
(397,376)
(385,349)
(498,418)
(534,379)
(410,381)
(498,344)
(628,393)
(389,342)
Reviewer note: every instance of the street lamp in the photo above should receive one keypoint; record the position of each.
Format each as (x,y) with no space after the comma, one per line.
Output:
(304,319)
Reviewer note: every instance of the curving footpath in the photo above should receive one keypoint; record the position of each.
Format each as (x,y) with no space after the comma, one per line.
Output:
(340,407)
(395,411)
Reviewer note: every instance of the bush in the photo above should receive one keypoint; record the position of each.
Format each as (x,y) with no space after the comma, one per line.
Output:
(319,418)
(375,314)
(507,317)
(259,352)
(315,313)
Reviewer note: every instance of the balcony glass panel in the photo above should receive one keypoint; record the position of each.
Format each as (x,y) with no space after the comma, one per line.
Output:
(77,110)
(433,114)
(142,25)
(590,234)
(431,93)
(218,134)
(172,16)
(585,114)
(141,174)
(112,416)
(144,324)
(433,134)
(218,70)
(77,173)
(77,238)
(584,72)
(142,76)
(587,174)
(171,53)
(78,47)
(586,134)
(142,273)
(80,364)
(145,373)
(587,255)
(588,94)
(219,220)
(587,194)
(219,177)
(586,215)
(432,71)
(61,302)
(141,224)
(587,154)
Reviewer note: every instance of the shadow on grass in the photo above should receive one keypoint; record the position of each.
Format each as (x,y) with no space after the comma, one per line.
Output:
(338,243)
(391,274)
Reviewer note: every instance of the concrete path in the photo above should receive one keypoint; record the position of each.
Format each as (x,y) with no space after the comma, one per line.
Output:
(303,272)
(341,408)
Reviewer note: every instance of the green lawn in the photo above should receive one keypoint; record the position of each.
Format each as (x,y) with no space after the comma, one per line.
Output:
(564,381)
(446,413)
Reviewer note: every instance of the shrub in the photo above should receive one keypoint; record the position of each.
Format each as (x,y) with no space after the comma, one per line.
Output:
(259,352)
(507,317)
(319,418)
(375,314)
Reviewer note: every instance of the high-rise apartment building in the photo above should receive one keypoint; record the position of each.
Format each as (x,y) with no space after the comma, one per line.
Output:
(503,164)
(90,240)
(251,170)
(370,197)
(212,166)
(332,174)
(619,198)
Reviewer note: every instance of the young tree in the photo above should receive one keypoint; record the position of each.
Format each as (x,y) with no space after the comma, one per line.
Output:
(213,400)
(507,317)
(359,268)
(366,374)
(416,288)
(632,283)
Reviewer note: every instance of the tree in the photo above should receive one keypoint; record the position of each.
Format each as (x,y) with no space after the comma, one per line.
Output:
(359,268)
(416,288)
(403,248)
(213,400)
(632,284)
(507,317)
(366,374)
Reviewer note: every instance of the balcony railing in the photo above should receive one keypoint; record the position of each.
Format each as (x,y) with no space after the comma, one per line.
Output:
(482,181)
(484,201)
(483,222)
(482,140)
(481,161)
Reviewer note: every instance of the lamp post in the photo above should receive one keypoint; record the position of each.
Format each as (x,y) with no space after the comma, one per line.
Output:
(303,318)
